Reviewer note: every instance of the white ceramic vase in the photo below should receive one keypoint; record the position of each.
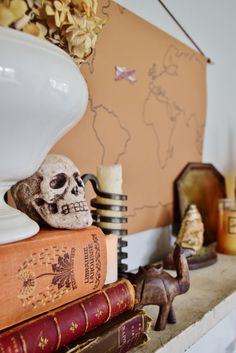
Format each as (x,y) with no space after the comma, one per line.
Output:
(42,96)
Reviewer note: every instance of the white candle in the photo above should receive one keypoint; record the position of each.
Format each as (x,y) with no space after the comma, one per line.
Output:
(110,178)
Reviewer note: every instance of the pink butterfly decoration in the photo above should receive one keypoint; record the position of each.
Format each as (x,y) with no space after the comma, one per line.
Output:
(126,74)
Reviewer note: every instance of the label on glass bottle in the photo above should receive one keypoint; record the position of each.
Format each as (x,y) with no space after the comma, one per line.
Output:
(232,225)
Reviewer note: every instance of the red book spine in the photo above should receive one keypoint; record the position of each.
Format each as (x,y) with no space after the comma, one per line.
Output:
(119,335)
(55,329)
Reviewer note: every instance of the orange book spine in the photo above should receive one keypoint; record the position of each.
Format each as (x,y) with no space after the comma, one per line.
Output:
(49,270)
(53,330)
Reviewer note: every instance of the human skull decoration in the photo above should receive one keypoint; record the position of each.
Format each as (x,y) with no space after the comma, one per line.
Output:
(54,195)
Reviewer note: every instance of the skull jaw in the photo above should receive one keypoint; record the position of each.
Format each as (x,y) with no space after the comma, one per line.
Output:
(74,215)
(75,221)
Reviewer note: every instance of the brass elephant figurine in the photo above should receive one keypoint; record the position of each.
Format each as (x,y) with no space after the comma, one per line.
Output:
(157,287)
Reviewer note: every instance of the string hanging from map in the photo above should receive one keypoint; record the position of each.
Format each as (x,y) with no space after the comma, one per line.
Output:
(184,31)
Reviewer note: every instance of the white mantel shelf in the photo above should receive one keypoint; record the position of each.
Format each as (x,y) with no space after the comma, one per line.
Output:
(211,297)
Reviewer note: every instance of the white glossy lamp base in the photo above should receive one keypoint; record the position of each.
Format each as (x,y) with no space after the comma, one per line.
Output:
(14,225)
(42,96)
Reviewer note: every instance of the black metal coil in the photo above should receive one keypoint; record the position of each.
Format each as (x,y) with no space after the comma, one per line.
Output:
(97,217)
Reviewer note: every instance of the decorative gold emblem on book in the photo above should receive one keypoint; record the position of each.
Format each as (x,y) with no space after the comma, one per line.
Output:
(73,327)
(42,343)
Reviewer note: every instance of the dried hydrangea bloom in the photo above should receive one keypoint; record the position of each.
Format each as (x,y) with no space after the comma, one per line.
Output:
(86,7)
(82,36)
(70,24)
(36,29)
(11,11)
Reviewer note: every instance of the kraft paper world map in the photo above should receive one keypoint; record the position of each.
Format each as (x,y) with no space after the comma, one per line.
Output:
(146,111)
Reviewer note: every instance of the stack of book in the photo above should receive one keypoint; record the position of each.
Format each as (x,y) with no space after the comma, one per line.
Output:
(59,292)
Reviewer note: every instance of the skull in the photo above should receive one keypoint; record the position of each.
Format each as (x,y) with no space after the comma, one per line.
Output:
(54,195)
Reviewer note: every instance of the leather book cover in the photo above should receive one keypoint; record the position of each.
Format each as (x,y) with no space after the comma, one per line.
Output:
(49,332)
(119,335)
(49,270)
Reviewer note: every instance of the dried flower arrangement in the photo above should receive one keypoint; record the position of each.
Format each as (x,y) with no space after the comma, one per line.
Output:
(70,24)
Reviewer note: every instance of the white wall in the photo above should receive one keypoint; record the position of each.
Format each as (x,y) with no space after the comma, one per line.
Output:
(220,339)
(212,24)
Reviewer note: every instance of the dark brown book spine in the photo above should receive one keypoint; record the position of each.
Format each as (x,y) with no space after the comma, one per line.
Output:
(51,331)
(119,335)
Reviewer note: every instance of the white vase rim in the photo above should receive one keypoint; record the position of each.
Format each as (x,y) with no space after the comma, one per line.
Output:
(30,39)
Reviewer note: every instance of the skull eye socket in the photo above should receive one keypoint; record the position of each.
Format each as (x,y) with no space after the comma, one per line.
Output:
(39,201)
(58,181)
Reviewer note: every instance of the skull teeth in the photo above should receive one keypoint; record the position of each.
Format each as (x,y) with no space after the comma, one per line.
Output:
(74,207)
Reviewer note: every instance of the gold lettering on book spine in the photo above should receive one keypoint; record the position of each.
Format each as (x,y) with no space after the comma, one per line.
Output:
(92,262)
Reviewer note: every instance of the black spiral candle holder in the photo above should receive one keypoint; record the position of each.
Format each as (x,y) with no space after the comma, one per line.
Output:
(99,219)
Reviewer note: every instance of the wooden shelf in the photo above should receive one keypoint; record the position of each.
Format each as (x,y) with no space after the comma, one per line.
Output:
(211,297)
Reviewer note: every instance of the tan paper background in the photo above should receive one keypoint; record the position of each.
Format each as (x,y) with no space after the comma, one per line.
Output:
(153,127)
